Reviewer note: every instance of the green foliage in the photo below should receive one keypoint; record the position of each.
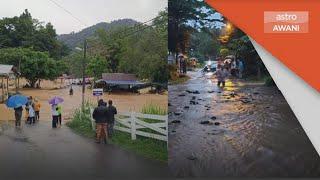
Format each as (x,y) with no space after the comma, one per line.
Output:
(143,53)
(241,46)
(34,65)
(96,67)
(224,52)
(81,123)
(26,32)
(153,109)
(204,45)
(268,81)
(186,16)
(75,39)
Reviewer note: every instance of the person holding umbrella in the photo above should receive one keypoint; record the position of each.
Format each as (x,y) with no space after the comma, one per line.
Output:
(16,102)
(18,115)
(54,110)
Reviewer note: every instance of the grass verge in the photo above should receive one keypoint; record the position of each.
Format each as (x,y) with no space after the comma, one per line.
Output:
(147,147)
(179,80)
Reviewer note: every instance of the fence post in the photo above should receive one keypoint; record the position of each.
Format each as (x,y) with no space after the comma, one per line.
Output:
(167,132)
(92,120)
(133,126)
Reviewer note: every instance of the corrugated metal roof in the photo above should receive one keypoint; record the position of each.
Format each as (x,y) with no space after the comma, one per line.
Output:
(6,70)
(119,77)
(121,82)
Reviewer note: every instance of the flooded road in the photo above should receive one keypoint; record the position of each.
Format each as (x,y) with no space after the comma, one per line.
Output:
(245,129)
(124,101)
(39,152)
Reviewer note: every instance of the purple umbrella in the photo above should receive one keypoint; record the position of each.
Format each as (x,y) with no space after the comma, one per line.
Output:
(56,100)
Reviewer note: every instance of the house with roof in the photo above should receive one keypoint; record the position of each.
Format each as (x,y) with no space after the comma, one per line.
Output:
(7,72)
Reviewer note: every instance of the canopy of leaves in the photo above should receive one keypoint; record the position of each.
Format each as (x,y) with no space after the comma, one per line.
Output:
(186,16)
(140,50)
(34,65)
(204,45)
(24,31)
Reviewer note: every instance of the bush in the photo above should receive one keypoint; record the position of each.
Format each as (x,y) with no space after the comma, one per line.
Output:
(268,81)
(153,109)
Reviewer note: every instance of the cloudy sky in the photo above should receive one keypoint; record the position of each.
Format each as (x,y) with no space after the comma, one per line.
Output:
(89,12)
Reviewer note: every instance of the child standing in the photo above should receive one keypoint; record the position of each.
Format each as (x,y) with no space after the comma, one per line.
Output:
(31,117)
(37,107)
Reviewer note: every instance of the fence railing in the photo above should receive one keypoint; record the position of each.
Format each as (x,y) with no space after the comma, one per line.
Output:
(147,125)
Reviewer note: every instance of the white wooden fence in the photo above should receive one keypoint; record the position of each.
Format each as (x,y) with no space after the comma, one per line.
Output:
(133,123)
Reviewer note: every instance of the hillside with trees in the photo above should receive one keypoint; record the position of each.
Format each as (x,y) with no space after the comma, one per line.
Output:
(74,39)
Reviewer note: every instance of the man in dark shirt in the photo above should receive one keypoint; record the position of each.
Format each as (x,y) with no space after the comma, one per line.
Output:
(100,115)
(111,112)
(18,115)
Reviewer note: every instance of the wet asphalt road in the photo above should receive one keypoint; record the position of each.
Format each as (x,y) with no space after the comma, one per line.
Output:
(256,135)
(39,152)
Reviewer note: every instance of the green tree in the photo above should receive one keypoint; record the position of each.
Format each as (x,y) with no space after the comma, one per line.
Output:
(186,16)
(34,65)
(96,67)
(224,52)
(24,31)
(204,45)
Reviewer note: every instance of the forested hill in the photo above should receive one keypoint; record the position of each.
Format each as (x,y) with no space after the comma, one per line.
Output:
(73,39)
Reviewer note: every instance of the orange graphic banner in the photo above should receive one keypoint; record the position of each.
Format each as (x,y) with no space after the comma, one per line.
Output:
(288,29)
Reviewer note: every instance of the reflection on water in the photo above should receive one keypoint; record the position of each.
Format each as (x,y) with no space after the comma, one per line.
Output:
(240,130)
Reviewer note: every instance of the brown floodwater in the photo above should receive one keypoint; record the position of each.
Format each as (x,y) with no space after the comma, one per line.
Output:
(247,130)
(124,101)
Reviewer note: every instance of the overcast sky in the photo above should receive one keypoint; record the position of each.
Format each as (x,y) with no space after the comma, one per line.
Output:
(90,12)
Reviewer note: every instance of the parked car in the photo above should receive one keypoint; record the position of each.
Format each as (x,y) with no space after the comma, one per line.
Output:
(211,66)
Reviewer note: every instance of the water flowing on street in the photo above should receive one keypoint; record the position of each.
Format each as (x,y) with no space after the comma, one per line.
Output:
(245,129)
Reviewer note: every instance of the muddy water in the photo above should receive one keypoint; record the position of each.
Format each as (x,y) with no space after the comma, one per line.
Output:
(123,101)
(247,130)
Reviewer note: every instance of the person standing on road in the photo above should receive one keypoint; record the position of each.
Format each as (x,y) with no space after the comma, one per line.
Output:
(111,112)
(71,91)
(241,67)
(55,115)
(18,115)
(31,118)
(222,73)
(100,115)
(37,107)
(59,109)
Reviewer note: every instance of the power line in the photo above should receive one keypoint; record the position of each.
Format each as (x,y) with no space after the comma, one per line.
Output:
(130,34)
(139,25)
(76,18)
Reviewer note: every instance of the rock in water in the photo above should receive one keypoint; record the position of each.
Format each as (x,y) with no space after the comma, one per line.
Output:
(196,92)
(213,118)
(177,113)
(192,102)
(205,122)
(217,123)
(186,107)
(181,95)
(176,121)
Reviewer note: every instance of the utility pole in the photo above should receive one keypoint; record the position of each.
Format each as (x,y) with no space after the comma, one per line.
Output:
(18,74)
(83,72)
